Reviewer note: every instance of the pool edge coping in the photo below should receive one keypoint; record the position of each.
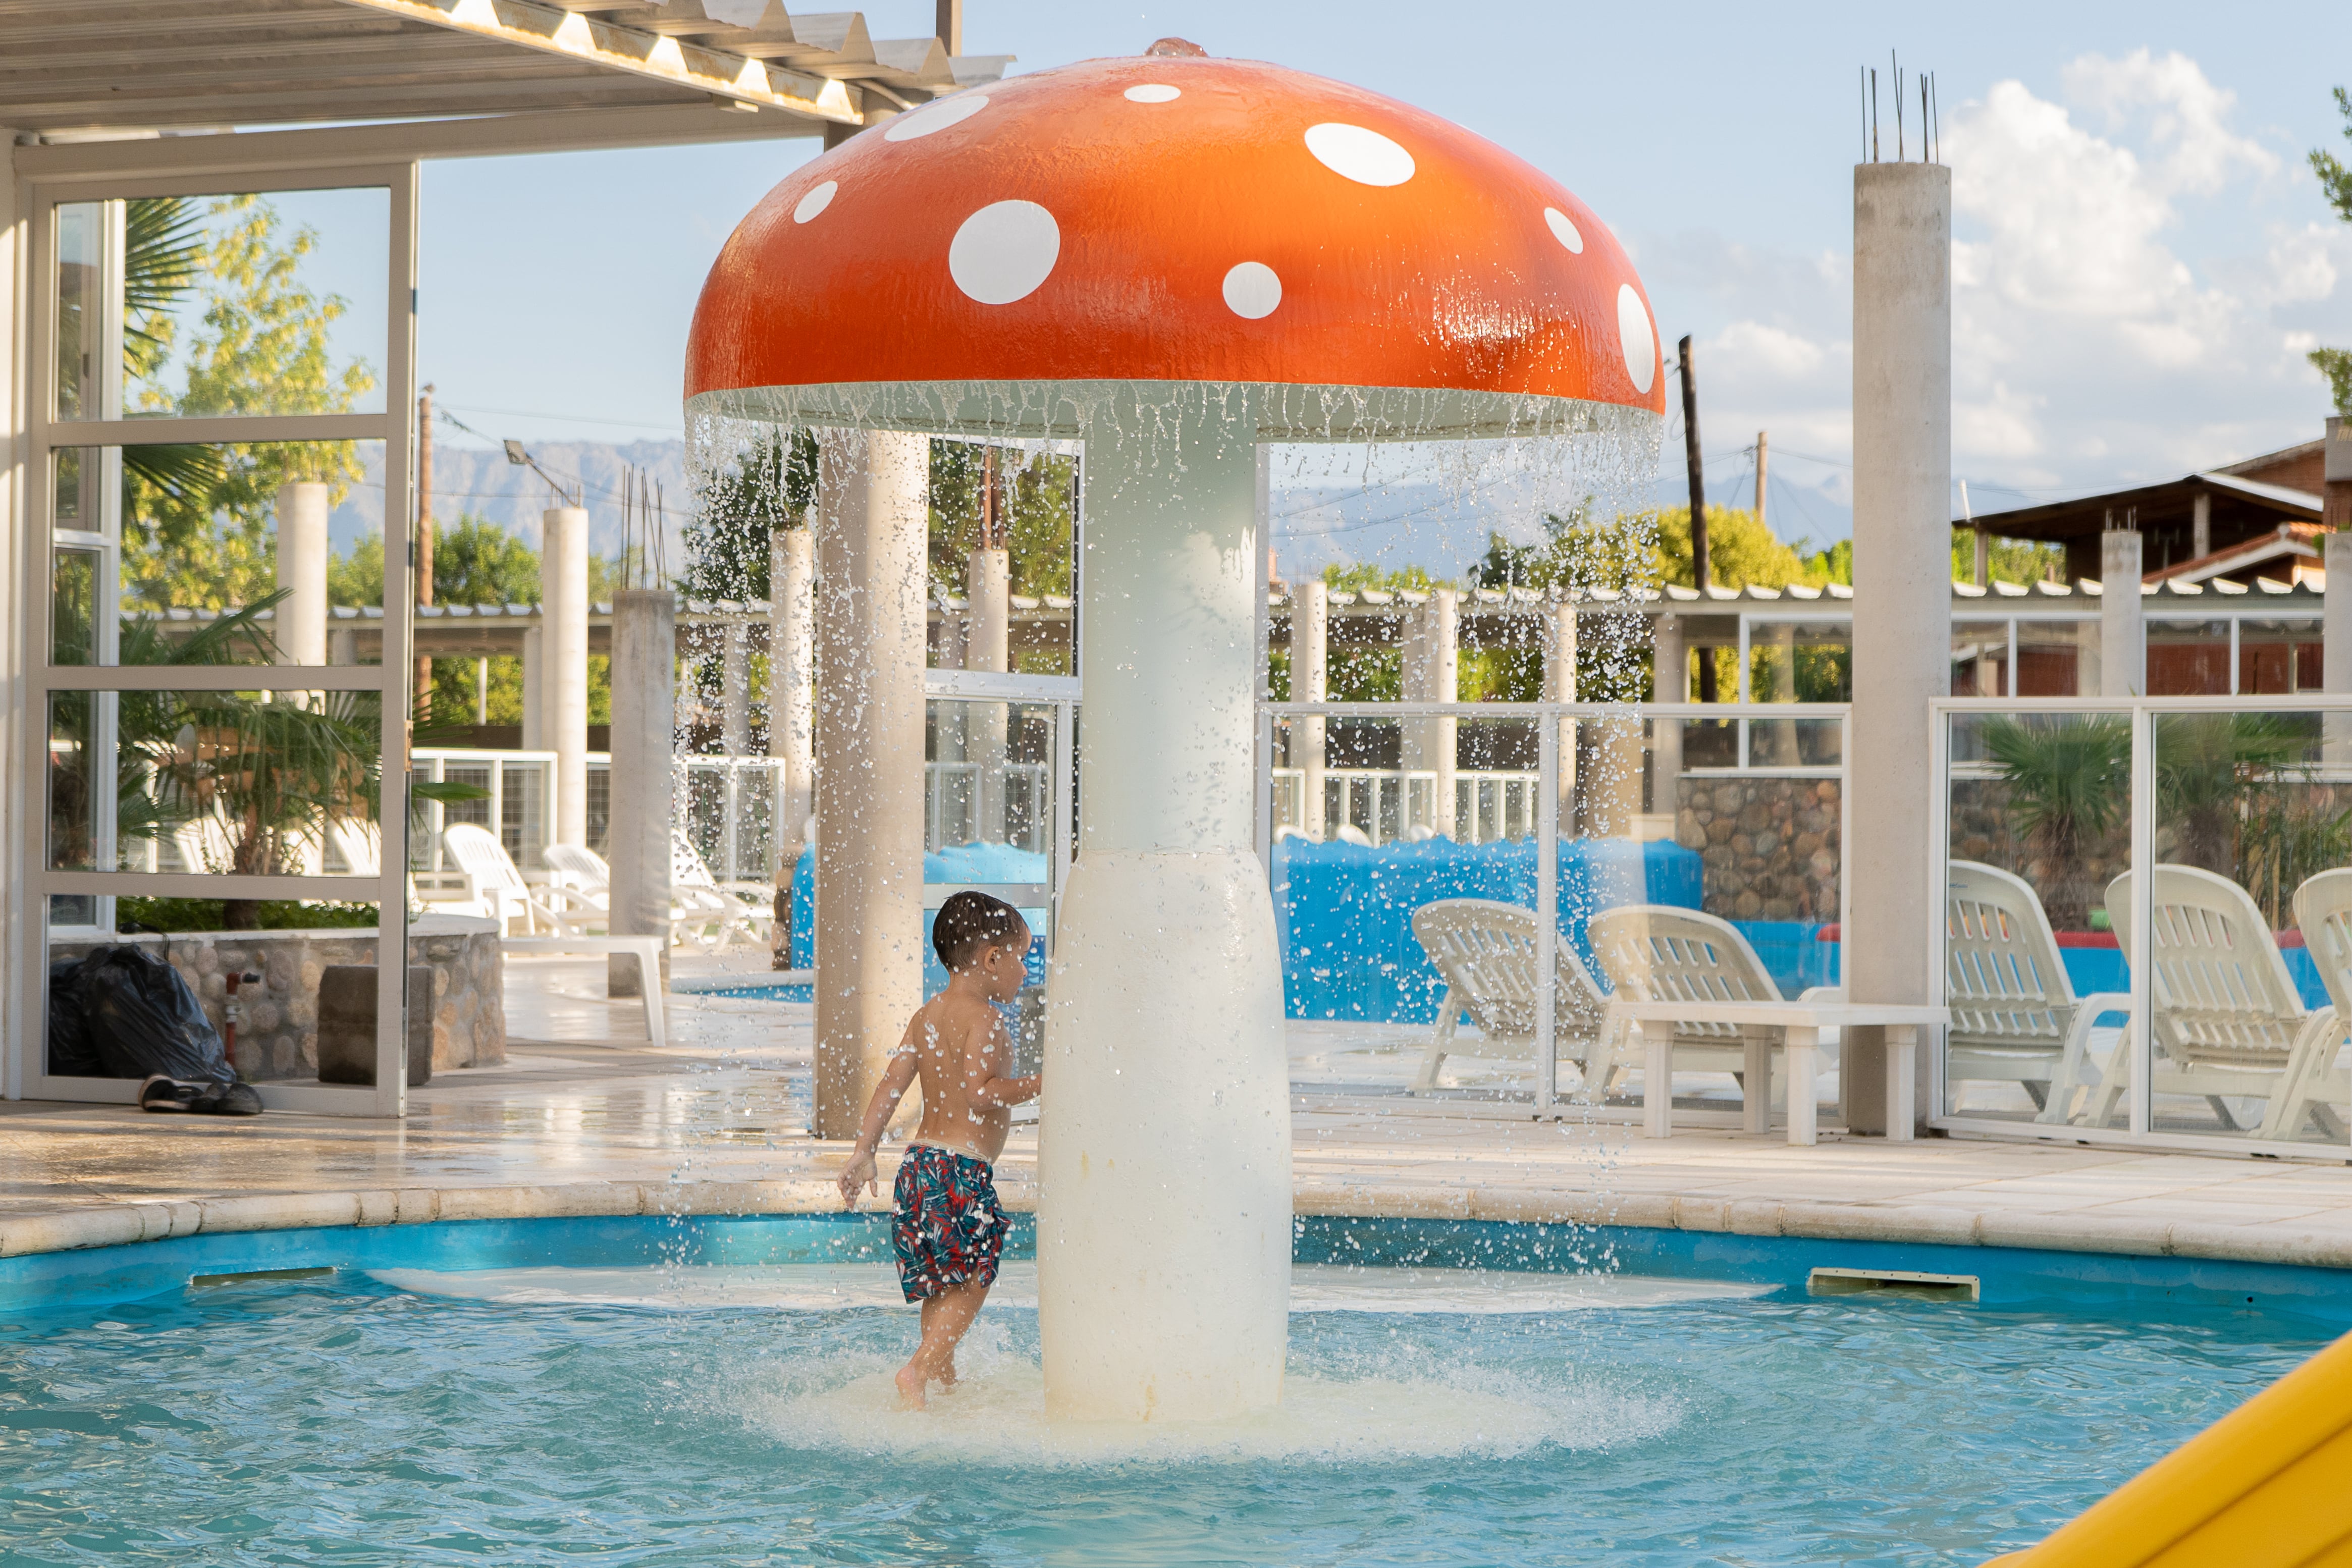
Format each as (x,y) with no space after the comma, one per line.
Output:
(114,1225)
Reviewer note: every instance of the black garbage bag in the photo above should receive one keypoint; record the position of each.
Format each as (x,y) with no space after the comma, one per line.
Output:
(71,1054)
(143,1019)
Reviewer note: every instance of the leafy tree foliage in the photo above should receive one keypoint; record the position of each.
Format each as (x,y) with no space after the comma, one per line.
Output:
(772,486)
(199,535)
(2336,182)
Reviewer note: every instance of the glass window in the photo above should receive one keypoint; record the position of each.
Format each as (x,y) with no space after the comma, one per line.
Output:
(1980,658)
(1799,661)
(2034,973)
(247,303)
(2276,658)
(2188,658)
(256,783)
(2057,658)
(255,553)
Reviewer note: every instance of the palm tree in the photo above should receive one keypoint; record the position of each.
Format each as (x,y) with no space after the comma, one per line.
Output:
(2068,781)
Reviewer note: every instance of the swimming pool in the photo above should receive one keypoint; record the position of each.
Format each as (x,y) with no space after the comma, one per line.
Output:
(644,1390)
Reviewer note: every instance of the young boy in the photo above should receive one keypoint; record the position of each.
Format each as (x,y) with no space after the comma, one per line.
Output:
(950,1231)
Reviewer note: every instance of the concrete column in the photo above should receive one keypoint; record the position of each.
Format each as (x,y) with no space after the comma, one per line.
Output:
(734,691)
(2335,624)
(1310,682)
(534,664)
(1669,662)
(1432,674)
(989,646)
(343,646)
(299,621)
(2123,623)
(481,691)
(874,492)
(1163,1218)
(2200,526)
(791,574)
(1901,596)
(2336,500)
(1559,686)
(636,845)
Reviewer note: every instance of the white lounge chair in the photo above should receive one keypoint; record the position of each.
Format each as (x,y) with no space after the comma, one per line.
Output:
(357,845)
(702,903)
(1486,952)
(2229,1019)
(494,887)
(2316,1088)
(1659,953)
(2015,1017)
(583,878)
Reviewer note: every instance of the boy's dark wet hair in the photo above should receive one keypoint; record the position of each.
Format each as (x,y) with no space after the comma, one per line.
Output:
(970,921)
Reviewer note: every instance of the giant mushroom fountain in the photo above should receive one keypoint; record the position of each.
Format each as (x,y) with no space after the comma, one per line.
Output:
(1181,262)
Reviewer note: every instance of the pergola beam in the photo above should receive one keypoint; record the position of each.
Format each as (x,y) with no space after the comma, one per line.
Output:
(631,50)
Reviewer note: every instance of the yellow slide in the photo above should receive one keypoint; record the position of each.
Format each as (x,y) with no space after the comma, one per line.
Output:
(2267,1485)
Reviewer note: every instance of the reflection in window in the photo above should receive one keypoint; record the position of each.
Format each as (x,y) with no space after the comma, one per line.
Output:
(238,304)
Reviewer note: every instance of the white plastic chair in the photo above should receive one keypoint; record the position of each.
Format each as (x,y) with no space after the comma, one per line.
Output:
(580,880)
(359,844)
(1486,952)
(1659,953)
(2015,1017)
(2314,1087)
(703,903)
(495,888)
(2229,1019)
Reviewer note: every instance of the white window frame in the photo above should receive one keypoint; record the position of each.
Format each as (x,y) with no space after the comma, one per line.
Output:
(134,169)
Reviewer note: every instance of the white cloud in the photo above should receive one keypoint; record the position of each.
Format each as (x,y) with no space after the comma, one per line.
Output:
(2087,349)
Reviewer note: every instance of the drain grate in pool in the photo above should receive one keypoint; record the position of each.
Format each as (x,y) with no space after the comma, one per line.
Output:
(1892,1283)
(210,1282)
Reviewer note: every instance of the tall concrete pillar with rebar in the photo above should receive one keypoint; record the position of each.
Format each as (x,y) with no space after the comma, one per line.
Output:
(1902,595)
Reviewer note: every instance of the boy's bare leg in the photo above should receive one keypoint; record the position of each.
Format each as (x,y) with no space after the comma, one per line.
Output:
(946,1317)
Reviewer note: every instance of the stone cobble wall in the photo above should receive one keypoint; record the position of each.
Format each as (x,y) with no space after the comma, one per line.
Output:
(278,1038)
(1770,847)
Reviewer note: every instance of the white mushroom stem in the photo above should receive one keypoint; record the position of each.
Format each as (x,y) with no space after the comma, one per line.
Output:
(1163,1235)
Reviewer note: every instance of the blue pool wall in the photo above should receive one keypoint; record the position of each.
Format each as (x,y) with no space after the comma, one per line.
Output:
(2012,1279)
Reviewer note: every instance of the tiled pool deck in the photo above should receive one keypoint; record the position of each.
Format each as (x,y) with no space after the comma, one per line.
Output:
(600,1125)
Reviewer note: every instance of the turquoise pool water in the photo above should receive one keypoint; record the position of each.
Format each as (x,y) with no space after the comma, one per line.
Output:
(712,1392)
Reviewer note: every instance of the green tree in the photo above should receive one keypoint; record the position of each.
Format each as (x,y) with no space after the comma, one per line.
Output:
(2006,560)
(1037,494)
(478,562)
(262,346)
(2336,183)
(770,485)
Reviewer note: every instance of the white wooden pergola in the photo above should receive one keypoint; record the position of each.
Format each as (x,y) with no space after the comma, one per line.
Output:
(105,102)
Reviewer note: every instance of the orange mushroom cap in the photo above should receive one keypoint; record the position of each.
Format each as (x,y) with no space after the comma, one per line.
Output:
(1172,219)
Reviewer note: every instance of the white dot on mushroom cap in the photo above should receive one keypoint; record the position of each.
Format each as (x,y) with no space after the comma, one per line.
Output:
(1252,290)
(1005,251)
(818,198)
(1364,156)
(1639,342)
(1564,230)
(933,117)
(1154,92)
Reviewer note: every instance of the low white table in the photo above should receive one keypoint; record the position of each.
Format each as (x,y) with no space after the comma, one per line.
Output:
(1800,1026)
(646,948)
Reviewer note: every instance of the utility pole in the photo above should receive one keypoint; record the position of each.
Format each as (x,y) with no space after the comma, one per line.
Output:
(1702,573)
(1762,453)
(949,27)
(424,532)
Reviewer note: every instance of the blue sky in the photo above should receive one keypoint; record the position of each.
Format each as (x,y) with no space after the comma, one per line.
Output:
(2141,255)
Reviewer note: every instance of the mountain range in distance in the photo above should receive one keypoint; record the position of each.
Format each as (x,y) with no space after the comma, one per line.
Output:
(479,482)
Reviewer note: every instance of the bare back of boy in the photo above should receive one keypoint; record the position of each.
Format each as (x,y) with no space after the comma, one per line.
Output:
(959,1043)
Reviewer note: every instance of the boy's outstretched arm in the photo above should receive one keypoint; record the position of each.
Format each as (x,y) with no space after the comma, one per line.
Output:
(896,1080)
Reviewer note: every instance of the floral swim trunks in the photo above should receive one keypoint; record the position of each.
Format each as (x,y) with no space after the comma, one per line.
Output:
(950,1229)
